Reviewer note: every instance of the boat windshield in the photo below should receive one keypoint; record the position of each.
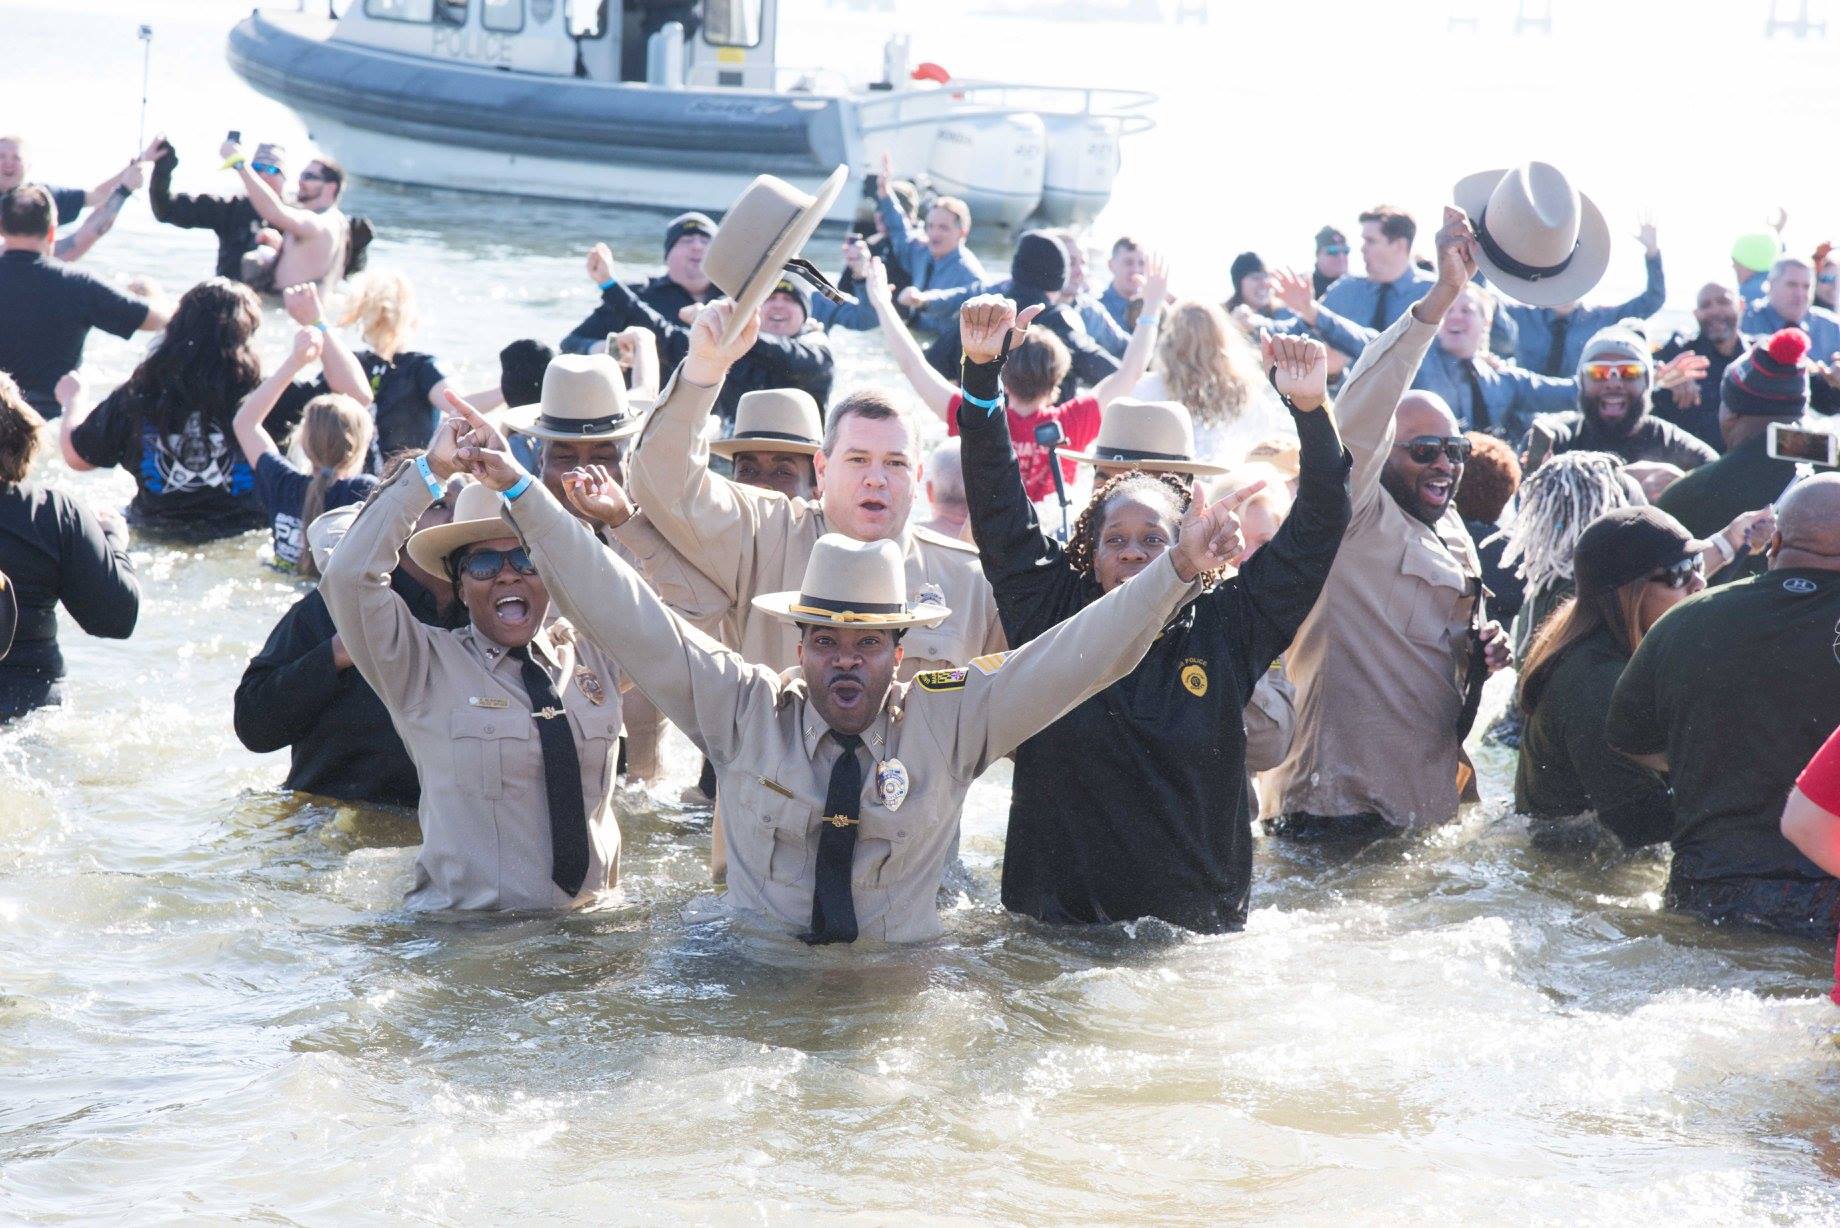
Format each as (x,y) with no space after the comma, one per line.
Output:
(732,23)
(441,12)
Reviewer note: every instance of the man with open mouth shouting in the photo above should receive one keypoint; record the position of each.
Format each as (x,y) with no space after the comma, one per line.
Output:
(513,725)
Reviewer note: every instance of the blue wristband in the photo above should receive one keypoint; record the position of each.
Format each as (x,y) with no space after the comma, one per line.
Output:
(435,489)
(517,488)
(989,407)
(608,284)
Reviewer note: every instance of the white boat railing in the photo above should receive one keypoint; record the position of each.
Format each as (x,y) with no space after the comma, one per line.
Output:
(898,109)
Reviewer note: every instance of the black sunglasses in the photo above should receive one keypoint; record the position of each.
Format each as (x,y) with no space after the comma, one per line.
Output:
(1424,449)
(483,565)
(1680,574)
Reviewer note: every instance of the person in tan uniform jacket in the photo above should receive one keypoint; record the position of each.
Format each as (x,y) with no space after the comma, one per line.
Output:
(843,784)
(1382,665)
(513,815)
(751,541)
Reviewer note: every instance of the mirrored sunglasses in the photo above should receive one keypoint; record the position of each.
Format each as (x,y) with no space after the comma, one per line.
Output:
(483,565)
(1425,449)
(1680,574)
(1628,371)
(1335,249)
(265,168)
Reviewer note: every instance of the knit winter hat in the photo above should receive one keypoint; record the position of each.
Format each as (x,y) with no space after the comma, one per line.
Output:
(1616,341)
(1040,262)
(796,288)
(1245,265)
(1770,380)
(687,224)
(1756,251)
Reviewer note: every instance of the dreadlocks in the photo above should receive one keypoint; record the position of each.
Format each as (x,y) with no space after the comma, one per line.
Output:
(1083,546)
(1557,501)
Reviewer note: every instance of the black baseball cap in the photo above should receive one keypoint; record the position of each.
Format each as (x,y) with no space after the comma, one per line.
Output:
(1628,543)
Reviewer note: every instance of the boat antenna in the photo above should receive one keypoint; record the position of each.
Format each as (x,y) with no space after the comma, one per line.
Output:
(146,36)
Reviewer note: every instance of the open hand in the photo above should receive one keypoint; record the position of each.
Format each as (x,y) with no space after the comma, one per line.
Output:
(302,303)
(876,282)
(1209,538)
(596,496)
(1299,368)
(984,321)
(886,187)
(600,264)
(1156,281)
(1651,242)
(1687,368)
(1296,292)
(709,358)
(479,447)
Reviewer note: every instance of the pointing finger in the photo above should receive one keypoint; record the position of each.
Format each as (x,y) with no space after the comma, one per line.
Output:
(1234,500)
(1027,316)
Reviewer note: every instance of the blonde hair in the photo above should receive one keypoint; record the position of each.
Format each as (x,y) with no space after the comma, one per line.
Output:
(1205,363)
(335,435)
(384,310)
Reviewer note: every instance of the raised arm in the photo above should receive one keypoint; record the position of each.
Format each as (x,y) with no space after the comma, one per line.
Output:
(102,191)
(251,435)
(934,391)
(72,247)
(1136,358)
(344,373)
(1654,293)
(288,219)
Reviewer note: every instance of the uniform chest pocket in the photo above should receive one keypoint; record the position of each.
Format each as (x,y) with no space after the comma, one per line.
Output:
(484,739)
(776,831)
(941,644)
(597,743)
(1429,601)
(881,848)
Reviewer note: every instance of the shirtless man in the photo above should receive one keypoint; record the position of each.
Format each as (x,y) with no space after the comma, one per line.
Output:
(309,237)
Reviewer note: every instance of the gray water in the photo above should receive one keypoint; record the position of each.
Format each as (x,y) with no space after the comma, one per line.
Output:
(213,1009)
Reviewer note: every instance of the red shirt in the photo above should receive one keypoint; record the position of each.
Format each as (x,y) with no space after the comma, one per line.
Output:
(1079,419)
(1820,784)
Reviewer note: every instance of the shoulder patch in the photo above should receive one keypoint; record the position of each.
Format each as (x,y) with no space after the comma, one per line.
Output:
(942,679)
(989,663)
(932,538)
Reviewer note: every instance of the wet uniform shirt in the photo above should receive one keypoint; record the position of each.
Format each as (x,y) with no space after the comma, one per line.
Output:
(46,311)
(1739,687)
(1079,419)
(283,491)
(1566,767)
(773,753)
(1135,804)
(194,479)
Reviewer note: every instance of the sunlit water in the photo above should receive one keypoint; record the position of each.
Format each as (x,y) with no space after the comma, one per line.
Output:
(212,1007)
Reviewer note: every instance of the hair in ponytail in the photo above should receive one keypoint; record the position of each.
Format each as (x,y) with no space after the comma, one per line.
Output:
(335,434)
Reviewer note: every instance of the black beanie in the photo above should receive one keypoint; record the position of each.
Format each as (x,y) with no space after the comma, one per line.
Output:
(1245,265)
(687,224)
(1040,262)
(1771,380)
(796,288)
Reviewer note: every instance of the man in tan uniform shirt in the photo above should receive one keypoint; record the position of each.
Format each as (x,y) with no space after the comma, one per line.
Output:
(462,704)
(1381,665)
(777,741)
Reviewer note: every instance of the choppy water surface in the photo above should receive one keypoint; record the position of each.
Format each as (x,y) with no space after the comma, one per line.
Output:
(212,1008)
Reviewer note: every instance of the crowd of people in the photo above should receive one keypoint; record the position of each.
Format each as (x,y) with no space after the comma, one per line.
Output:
(1199,567)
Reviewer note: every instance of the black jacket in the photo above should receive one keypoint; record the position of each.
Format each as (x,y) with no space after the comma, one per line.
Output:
(1566,764)
(1653,439)
(232,218)
(804,361)
(660,293)
(54,550)
(339,733)
(1135,803)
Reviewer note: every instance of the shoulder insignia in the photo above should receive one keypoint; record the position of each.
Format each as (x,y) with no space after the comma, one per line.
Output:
(932,538)
(989,663)
(942,679)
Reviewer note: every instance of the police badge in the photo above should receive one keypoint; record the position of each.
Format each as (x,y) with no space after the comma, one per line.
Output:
(588,684)
(891,782)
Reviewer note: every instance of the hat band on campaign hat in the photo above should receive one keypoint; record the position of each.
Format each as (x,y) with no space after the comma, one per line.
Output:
(1137,454)
(1508,264)
(581,426)
(777,436)
(848,611)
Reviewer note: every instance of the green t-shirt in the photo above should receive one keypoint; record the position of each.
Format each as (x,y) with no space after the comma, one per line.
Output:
(1739,687)
(1712,496)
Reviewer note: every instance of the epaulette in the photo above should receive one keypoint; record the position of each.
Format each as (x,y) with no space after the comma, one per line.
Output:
(934,538)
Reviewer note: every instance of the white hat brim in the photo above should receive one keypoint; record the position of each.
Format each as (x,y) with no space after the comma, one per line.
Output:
(1200,469)
(744,443)
(1589,261)
(779,605)
(430,548)
(772,266)
(523,420)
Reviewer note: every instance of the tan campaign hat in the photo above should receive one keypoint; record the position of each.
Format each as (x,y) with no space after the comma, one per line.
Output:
(853,584)
(774,420)
(584,397)
(1542,241)
(760,236)
(476,519)
(1156,436)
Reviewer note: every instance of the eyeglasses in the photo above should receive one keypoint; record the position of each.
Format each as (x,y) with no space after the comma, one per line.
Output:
(315,176)
(1630,372)
(1680,574)
(1426,448)
(265,168)
(1334,249)
(483,565)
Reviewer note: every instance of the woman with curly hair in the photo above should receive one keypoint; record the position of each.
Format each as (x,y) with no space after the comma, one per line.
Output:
(1203,363)
(1136,803)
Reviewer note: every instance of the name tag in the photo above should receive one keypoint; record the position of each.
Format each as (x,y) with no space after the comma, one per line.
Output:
(489,701)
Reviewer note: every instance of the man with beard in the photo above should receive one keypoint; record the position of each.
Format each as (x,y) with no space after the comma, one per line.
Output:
(1389,663)
(1551,340)
(1694,405)
(1615,373)
(313,233)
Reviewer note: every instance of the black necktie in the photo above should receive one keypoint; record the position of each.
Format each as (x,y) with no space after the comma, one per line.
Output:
(833,912)
(1555,353)
(1380,320)
(1479,417)
(568,822)
(926,278)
